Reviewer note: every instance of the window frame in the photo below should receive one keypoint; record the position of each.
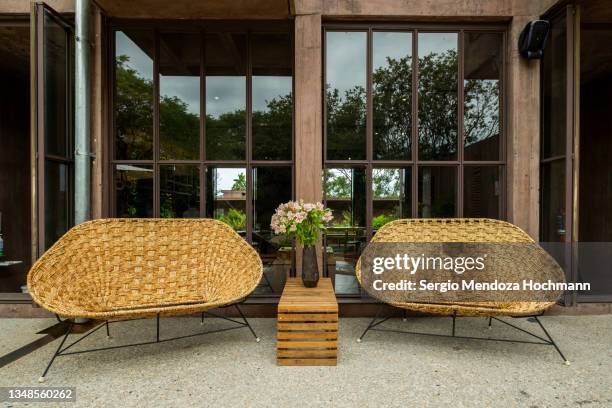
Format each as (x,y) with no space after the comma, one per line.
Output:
(201,27)
(415,163)
(158,27)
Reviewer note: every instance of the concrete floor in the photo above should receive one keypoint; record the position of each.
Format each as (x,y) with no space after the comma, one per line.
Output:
(230,369)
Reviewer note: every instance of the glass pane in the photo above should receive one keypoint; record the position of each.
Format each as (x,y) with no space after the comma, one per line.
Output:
(134,191)
(272,83)
(392,90)
(345,73)
(134,95)
(179,96)
(179,190)
(553,201)
(554,77)
(481,192)
(58,218)
(392,195)
(271,187)
(57,67)
(482,90)
(345,195)
(438,96)
(437,192)
(225,96)
(226,196)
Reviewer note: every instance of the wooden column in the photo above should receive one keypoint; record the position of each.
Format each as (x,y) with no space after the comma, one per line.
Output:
(308,112)
(523,129)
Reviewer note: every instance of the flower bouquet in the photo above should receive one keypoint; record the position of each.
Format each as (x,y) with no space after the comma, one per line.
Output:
(304,222)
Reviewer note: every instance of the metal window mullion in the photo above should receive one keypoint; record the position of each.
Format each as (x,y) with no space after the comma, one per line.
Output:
(248,140)
(369,134)
(202,166)
(460,124)
(415,125)
(156,189)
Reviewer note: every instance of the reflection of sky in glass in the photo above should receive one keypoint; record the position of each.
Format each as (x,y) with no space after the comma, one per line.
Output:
(139,60)
(390,45)
(438,43)
(224,178)
(185,88)
(345,60)
(266,88)
(225,94)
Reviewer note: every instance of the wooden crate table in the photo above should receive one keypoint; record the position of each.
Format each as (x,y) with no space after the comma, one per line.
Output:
(307,327)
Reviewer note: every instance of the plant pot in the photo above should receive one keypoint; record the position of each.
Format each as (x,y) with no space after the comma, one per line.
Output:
(310,267)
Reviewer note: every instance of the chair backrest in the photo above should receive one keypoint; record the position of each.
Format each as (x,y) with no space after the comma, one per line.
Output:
(450,230)
(120,262)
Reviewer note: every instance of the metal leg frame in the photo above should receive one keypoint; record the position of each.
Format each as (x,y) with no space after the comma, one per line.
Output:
(63,351)
(547,340)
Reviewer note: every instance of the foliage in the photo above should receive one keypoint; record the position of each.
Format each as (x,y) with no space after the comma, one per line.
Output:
(392,109)
(338,183)
(134,112)
(166,210)
(386,183)
(304,221)
(381,220)
(240,183)
(234,218)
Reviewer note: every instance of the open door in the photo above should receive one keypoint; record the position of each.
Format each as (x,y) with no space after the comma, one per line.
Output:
(52,70)
(559,141)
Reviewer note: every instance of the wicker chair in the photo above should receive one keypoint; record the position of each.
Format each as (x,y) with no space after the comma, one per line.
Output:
(460,230)
(118,269)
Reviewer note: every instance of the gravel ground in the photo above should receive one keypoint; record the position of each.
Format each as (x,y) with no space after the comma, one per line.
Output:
(230,369)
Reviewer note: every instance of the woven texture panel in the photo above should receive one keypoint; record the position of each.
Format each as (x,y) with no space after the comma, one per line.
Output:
(126,268)
(459,230)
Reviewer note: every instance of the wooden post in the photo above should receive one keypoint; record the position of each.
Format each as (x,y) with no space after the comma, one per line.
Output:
(308,113)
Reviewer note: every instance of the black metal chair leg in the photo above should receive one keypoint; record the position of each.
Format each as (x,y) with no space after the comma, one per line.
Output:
(490,321)
(454,320)
(246,322)
(566,361)
(57,352)
(108,336)
(157,331)
(380,308)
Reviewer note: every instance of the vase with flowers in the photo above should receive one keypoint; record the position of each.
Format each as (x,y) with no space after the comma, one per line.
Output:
(305,222)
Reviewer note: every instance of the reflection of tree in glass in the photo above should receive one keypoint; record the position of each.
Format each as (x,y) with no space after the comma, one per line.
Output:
(437,110)
(272,129)
(437,107)
(225,133)
(134,112)
(346,121)
(179,130)
(392,109)
(481,112)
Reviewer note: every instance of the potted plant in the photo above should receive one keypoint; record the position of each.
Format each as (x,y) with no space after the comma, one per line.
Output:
(304,222)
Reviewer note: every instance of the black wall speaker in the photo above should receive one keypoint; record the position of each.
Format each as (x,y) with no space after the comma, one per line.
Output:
(533,39)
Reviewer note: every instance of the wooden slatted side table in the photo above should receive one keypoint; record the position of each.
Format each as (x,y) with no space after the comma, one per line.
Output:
(307,327)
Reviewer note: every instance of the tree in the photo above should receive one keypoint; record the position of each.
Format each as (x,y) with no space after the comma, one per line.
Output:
(240,183)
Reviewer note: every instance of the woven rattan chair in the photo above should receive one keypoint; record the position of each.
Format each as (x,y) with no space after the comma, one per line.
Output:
(479,230)
(119,269)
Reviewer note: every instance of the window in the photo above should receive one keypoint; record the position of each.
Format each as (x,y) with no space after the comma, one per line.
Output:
(413,128)
(203,128)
